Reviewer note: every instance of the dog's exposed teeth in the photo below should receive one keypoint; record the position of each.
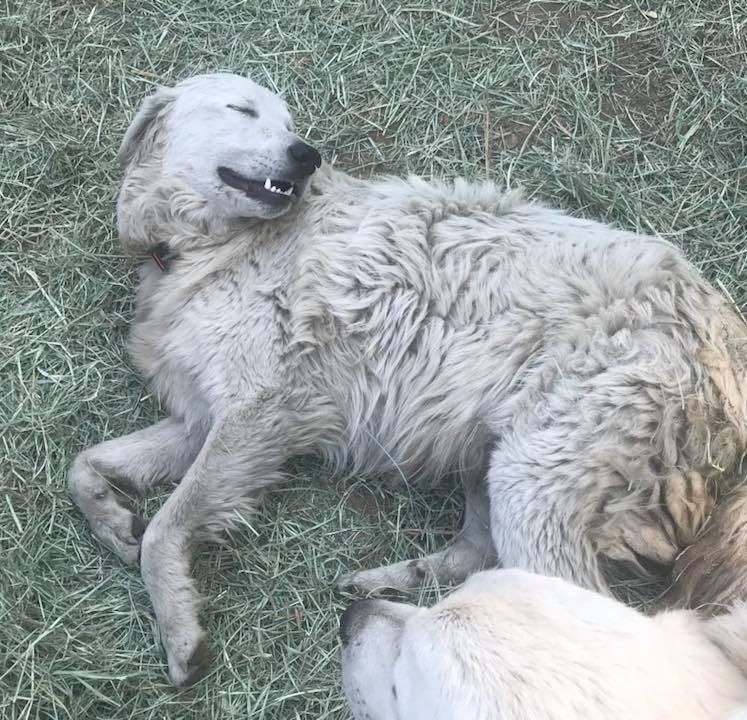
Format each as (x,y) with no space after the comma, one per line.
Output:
(279,186)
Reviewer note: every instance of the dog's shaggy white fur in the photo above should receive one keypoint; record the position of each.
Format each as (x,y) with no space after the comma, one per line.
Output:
(510,645)
(584,383)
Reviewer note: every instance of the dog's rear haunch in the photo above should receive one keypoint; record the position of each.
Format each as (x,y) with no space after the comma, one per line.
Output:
(711,572)
(585,384)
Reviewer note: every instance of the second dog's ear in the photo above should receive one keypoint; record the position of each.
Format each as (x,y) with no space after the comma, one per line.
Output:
(149,109)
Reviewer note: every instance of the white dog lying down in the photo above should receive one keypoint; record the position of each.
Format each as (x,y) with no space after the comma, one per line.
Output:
(510,645)
(585,384)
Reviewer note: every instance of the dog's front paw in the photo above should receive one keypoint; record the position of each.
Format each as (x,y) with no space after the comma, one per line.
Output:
(190,659)
(121,531)
(112,521)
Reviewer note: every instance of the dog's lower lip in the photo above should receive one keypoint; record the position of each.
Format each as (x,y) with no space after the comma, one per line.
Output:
(272,191)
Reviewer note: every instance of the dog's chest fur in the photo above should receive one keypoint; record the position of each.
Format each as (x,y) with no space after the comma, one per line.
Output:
(206,332)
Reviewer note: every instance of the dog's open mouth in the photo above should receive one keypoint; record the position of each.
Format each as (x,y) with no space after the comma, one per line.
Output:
(269,190)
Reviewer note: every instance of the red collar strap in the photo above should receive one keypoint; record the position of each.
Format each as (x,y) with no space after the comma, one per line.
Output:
(160,255)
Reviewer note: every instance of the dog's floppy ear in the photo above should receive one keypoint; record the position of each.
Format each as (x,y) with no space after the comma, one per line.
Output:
(149,109)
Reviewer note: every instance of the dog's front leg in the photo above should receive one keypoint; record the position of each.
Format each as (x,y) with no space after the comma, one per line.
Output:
(241,456)
(136,462)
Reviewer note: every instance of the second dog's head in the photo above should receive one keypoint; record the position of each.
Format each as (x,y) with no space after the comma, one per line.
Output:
(229,140)
(402,662)
(510,644)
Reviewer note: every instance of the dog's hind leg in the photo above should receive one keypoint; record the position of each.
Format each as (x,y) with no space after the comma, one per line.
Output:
(470,552)
(541,502)
(241,457)
(136,462)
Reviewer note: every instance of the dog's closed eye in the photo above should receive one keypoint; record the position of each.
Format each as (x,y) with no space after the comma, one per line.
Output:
(244,110)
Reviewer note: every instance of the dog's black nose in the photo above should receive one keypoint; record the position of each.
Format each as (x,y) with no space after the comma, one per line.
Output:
(353,618)
(306,156)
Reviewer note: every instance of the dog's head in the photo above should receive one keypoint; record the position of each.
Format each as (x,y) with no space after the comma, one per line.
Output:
(229,140)
(507,643)
(371,635)
(402,662)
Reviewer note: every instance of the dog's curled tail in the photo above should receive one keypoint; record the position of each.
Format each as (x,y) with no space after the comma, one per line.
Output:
(711,574)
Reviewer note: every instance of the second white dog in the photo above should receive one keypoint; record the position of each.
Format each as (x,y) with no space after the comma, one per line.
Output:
(511,645)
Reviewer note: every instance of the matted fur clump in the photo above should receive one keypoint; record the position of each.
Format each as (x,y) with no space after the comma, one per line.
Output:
(585,384)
